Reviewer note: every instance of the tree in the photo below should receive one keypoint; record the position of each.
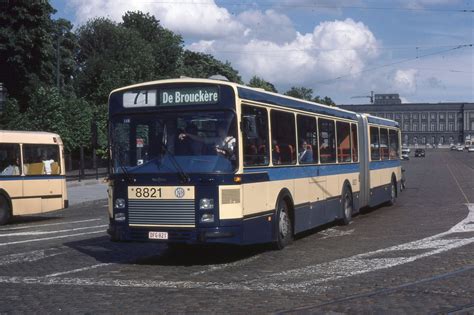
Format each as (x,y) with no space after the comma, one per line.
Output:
(199,65)
(64,43)
(257,82)
(167,47)
(110,56)
(51,111)
(301,92)
(26,59)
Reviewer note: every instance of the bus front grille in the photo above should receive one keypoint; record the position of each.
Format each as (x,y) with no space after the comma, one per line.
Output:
(161,213)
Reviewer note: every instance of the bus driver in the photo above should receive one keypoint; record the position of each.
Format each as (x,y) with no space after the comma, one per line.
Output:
(224,144)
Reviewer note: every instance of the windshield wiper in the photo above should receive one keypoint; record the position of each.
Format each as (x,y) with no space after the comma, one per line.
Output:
(127,175)
(184,177)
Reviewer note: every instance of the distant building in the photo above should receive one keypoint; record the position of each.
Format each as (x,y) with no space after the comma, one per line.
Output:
(423,123)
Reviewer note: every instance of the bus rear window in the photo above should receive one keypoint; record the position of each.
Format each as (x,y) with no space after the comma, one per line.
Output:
(41,159)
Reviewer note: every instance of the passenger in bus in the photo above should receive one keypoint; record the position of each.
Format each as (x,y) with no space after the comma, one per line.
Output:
(47,162)
(13,168)
(305,153)
(276,153)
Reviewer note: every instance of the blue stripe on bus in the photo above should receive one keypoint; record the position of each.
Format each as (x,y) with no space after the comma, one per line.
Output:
(37,177)
(377,165)
(281,173)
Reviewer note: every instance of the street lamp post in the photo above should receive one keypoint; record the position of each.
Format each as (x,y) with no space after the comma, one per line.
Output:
(3,97)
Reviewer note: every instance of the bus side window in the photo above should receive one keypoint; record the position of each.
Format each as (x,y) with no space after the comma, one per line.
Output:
(327,140)
(355,148)
(41,159)
(384,143)
(9,159)
(343,142)
(374,144)
(283,137)
(255,135)
(308,141)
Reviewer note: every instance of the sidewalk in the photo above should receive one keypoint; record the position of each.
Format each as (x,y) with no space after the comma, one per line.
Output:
(86,190)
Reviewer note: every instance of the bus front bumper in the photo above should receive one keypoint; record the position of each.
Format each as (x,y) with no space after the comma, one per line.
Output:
(227,234)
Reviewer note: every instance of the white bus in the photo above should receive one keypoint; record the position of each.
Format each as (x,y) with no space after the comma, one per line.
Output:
(204,161)
(32,175)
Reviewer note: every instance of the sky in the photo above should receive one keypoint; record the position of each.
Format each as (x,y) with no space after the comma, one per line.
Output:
(344,49)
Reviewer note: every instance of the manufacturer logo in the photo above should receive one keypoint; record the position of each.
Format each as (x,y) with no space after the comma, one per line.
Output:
(179,192)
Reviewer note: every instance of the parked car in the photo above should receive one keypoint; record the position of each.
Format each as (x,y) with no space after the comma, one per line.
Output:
(460,148)
(453,147)
(419,153)
(470,149)
(405,154)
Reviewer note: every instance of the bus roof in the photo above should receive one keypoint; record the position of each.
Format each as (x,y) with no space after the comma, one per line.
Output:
(259,95)
(31,137)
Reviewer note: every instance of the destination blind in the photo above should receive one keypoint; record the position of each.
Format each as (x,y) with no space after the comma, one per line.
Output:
(189,96)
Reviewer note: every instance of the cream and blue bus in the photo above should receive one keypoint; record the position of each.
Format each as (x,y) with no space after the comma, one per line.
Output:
(32,175)
(206,161)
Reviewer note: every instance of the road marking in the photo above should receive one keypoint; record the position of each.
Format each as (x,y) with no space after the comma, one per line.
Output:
(307,279)
(32,233)
(77,270)
(31,256)
(238,263)
(330,233)
(50,238)
(22,227)
(457,183)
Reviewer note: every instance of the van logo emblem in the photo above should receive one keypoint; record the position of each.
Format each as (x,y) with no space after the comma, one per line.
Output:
(179,192)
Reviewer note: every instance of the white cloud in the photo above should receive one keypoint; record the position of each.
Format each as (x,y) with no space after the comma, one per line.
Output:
(267,26)
(333,48)
(405,80)
(191,18)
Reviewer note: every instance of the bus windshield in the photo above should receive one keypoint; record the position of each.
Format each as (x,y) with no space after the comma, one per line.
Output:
(190,142)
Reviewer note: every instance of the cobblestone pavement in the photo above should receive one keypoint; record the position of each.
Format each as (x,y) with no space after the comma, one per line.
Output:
(414,257)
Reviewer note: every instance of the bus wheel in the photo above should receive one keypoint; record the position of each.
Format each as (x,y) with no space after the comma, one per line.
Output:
(347,206)
(285,228)
(393,193)
(5,211)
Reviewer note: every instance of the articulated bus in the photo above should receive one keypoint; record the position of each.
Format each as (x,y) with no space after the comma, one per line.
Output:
(32,176)
(206,161)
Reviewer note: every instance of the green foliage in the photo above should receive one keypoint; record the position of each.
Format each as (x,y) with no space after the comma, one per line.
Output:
(26,58)
(48,110)
(257,82)
(199,65)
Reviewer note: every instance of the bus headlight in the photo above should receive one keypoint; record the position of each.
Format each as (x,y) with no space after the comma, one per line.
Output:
(206,204)
(119,203)
(207,218)
(119,217)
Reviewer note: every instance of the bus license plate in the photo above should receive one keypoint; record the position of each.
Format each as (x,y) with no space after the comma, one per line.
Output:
(158,235)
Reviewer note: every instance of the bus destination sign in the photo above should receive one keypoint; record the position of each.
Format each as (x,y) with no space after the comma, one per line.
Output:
(189,96)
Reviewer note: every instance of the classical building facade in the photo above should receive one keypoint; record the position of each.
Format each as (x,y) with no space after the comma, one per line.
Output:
(423,123)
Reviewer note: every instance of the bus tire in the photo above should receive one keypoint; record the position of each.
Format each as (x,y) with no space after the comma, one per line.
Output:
(393,193)
(5,210)
(347,203)
(284,225)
